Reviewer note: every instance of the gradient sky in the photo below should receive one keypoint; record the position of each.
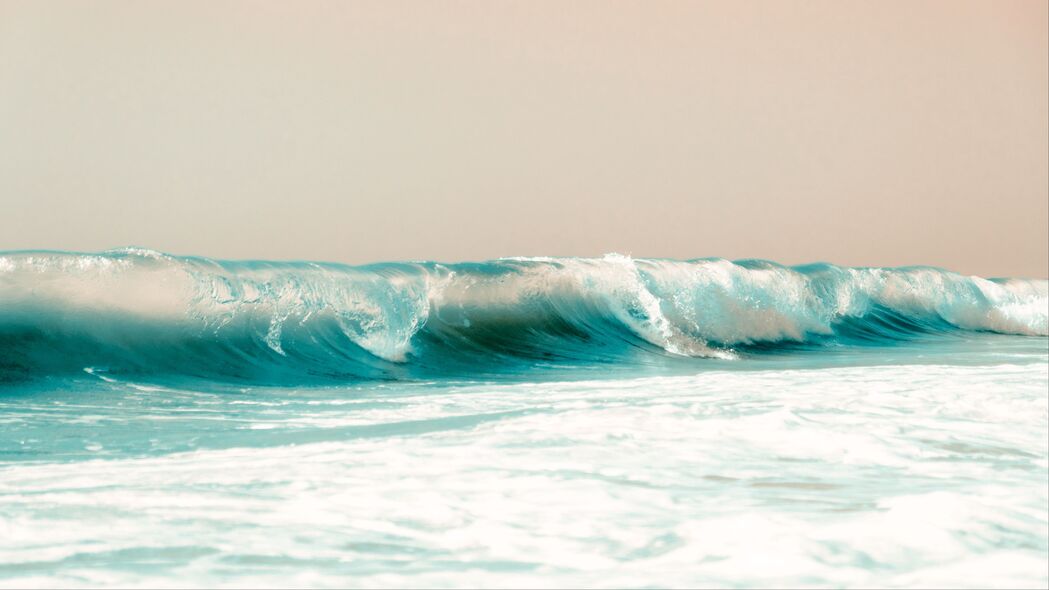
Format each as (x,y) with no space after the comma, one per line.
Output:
(861,133)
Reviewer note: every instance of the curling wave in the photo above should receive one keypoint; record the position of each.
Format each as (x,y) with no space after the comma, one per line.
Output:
(134,311)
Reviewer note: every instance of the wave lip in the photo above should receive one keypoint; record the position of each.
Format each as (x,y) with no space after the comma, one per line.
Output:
(141,311)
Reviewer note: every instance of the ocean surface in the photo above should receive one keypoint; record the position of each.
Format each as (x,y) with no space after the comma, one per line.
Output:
(536,422)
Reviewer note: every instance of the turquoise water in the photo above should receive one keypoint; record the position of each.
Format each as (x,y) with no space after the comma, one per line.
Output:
(527,423)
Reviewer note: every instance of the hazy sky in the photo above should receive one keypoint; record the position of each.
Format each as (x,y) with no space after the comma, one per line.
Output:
(864,133)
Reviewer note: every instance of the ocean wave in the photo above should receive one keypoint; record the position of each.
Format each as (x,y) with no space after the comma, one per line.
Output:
(139,311)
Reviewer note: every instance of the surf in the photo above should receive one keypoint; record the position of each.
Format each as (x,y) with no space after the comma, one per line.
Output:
(141,312)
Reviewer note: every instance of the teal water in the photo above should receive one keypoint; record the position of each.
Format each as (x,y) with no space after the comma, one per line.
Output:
(522,423)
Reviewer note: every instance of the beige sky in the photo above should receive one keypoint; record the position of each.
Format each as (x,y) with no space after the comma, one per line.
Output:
(862,133)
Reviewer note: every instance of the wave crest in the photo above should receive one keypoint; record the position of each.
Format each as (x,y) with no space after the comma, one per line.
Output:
(143,311)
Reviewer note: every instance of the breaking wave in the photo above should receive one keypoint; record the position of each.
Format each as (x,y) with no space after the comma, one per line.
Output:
(134,311)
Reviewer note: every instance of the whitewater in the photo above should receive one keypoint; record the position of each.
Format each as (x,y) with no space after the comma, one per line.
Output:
(523,422)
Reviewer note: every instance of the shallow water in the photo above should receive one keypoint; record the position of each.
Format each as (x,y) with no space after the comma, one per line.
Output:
(861,472)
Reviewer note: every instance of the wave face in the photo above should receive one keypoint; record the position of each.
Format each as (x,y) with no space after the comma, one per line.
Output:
(135,311)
